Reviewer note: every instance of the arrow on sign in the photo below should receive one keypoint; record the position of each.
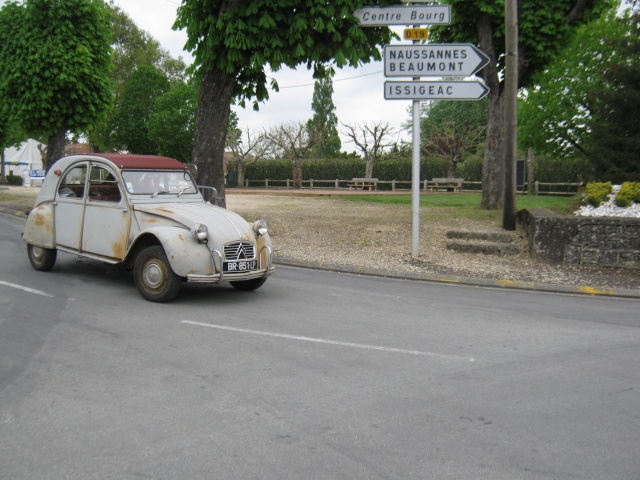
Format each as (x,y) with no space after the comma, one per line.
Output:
(434,60)
(473,90)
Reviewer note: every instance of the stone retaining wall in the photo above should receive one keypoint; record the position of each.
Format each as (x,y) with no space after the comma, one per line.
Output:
(605,241)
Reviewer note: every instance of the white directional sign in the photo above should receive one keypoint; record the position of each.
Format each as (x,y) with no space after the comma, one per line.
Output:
(472,90)
(433,60)
(404,15)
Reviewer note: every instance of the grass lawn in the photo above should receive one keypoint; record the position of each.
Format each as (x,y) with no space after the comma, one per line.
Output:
(468,204)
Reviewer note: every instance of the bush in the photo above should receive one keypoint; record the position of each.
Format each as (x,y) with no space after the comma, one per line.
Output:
(14,179)
(595,193)
(629,192)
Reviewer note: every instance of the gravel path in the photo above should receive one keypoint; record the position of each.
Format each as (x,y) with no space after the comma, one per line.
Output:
(336,231)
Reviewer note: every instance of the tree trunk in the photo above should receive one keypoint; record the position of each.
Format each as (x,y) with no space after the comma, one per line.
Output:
(240,174)
(297,173)
(55,148)
(214,106)
(369,168)
(493,166)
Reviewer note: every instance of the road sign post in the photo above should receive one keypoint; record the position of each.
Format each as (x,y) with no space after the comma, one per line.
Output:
(457,60)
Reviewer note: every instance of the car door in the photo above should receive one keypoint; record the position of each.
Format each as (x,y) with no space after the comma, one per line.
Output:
(105,230)
(69,207)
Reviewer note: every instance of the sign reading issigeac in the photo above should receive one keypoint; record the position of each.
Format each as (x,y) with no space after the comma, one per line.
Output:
(412,90)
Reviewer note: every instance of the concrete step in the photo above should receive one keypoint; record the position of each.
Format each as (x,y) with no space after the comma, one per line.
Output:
(487,248)
(488,243)
(497,237)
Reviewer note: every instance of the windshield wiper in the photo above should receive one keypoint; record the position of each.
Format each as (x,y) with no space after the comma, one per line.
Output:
(160,193)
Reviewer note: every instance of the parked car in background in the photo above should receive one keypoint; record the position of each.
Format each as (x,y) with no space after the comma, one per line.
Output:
(146,213)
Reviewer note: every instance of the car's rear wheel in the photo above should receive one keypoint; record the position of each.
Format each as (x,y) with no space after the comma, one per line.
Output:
(42,259)
(153,276)
(249,285)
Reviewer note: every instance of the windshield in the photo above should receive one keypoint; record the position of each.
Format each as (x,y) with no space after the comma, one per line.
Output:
(153,182)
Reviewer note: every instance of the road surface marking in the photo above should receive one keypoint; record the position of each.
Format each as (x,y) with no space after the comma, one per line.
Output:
(328,342)
(26,289)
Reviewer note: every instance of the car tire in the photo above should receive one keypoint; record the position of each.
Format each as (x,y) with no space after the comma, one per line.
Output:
(153,276)
(42,259)
(249,285)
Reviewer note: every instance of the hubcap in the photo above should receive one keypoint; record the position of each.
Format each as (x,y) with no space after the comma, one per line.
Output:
(153,275)
(37,252)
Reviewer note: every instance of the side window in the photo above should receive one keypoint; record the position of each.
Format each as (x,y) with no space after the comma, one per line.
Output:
(103,185)
(72,185)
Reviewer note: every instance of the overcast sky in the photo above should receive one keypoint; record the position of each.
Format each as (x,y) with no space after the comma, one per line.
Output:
(358,93)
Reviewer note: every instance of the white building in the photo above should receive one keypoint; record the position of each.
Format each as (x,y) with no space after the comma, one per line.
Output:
(25,161)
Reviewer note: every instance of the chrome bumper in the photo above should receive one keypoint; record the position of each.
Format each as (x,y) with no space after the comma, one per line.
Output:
(220,276)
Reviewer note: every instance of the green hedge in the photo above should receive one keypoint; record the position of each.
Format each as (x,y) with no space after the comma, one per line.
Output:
(546,169)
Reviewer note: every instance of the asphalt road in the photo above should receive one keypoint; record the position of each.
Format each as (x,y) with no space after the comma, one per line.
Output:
(317,375)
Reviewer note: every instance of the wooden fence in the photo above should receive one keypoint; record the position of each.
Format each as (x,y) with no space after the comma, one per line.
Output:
(541,188)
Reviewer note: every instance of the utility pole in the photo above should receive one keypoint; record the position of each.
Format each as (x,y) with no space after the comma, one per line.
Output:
(510,114)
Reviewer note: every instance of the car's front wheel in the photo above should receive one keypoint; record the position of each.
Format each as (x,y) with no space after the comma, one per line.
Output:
(42,259)
(249,285)
(153,276)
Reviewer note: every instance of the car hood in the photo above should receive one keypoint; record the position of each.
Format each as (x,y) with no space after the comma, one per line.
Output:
(224,225)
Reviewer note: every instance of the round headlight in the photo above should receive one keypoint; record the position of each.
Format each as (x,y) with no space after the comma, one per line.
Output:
(260,227)
(201,232)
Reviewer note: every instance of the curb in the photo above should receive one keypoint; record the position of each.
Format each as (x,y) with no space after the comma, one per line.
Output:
(20,211)
(461,280)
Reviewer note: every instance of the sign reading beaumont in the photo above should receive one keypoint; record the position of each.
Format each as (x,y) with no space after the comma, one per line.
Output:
(434,60)
(404,15)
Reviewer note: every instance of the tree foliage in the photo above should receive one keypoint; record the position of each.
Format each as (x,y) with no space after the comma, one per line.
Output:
(132,120)
(54,64)
(173,121)
(585,102)
(325,120)
(615,125)
(544,28)
(233,42)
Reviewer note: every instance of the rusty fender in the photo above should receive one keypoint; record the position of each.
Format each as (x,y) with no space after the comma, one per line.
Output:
(39,227)
(186,255)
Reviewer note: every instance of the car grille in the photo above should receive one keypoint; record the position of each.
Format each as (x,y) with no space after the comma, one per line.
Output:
(239,251)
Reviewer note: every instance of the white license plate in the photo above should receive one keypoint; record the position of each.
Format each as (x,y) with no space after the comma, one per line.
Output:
(240,266)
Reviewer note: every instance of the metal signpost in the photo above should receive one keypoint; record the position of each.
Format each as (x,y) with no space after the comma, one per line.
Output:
(446,60)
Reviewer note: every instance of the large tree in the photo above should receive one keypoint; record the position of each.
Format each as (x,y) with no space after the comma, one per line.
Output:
(54,64)
(324,120)
(132,119)
(372,140)
(293,141)
(615,123)
(544,28)
(450,130)
(233,41)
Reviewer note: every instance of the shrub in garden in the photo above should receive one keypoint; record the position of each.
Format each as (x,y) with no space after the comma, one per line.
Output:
(629,192)
(595,193)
